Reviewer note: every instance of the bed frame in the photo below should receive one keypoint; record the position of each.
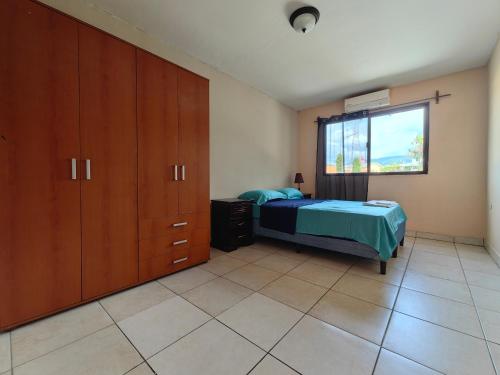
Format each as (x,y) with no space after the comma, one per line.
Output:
(331,243)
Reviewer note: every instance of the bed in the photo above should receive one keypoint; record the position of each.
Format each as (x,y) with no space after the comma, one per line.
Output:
(342,226)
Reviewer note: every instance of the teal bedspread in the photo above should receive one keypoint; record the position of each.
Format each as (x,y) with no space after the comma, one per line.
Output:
(372,226)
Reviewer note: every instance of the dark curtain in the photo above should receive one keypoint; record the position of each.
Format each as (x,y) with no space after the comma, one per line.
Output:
(332,186)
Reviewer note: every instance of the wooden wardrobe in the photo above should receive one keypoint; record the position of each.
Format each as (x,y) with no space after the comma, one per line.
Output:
(104,164)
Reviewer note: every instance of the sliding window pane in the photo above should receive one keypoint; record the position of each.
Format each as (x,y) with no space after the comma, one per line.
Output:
(397,141)
(334,148)
(355,146)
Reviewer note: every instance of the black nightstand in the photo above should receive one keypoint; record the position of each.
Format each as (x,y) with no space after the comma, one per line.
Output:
(307,195)
(231,223)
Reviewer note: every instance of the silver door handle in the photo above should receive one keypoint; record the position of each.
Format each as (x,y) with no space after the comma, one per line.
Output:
(175,225)
(180,260)
(176,173)
(183,172)
(88,175)
(176,243)
(73,169)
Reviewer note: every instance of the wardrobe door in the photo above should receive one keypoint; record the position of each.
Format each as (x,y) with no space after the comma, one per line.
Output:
(194,193)
(40,244)
(109,149)
(158,151)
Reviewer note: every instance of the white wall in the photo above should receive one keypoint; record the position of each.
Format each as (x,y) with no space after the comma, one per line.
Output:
(253,138)
(493,179)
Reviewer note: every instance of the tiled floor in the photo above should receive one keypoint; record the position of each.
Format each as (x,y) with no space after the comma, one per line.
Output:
(268,310)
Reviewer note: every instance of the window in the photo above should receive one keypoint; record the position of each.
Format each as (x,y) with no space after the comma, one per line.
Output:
(385,142)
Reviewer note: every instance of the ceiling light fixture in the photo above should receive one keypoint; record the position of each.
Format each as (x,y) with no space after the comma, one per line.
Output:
(304,19)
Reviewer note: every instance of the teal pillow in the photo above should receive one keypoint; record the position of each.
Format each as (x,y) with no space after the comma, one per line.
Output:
(292,193)
(261,196)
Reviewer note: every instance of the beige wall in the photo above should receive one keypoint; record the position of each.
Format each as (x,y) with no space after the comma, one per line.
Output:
(253,138)
(450,200)
(493,184)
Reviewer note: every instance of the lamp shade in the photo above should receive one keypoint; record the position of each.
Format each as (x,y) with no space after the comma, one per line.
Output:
(298,178)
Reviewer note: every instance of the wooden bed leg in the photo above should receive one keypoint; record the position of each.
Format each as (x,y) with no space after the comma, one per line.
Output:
(402,243)
(395,253)
(383,267)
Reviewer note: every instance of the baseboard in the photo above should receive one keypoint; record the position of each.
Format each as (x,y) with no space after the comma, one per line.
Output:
(493,253)
(443,237)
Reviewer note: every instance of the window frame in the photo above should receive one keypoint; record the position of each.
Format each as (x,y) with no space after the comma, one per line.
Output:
(382,112)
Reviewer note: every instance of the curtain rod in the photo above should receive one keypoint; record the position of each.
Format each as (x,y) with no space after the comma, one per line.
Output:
(437,97)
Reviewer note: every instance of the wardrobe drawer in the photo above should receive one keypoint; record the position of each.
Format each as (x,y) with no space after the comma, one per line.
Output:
(157,246)
(156,267)
(174,260)
(162,226)
(173,241)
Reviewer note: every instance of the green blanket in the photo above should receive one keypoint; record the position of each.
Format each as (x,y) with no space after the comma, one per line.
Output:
(372,226)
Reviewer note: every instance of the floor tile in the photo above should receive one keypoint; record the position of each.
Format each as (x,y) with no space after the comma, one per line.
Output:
(296,293)
(432,242)
(483,280)
(316,274)
(142,369)
(470,251)
(278,263)
(217,295)
(43,336)
(438,250)
(248,254)
(106,352)
(252,276)
(210,350)
(371,270)
(405,250)
(495,354)
(122,305)
(271,366)
(6,373)
(491,324)
(183,281)
(445,312)
(270,245)
(214,253)
(443,272)
(486,298)
(358,317)
(486,265)
(260,319)
(314,347)
(366,289)
(337,261)
(153,329)
(438,259)
(391,364)
(439,348)
(293,253)
(438,287)
(222,265)
(5,352)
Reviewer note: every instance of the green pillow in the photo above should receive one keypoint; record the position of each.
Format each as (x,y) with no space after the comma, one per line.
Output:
(292,193)
(261,196)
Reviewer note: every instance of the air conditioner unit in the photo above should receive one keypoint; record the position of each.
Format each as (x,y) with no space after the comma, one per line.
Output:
(368,101)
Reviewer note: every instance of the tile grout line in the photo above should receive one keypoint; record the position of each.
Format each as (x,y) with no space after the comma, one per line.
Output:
(304,314)
(128,339)
(392,313)
(477,313)
(61,347)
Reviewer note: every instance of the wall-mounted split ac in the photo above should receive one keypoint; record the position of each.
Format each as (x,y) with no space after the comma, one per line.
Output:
(372,100)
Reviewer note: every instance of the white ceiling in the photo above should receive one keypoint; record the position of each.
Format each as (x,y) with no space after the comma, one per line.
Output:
(358,45)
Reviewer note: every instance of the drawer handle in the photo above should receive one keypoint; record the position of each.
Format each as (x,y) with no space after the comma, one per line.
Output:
(241,224)
(175,243)
(180,260)
(242,235)
(175,225)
